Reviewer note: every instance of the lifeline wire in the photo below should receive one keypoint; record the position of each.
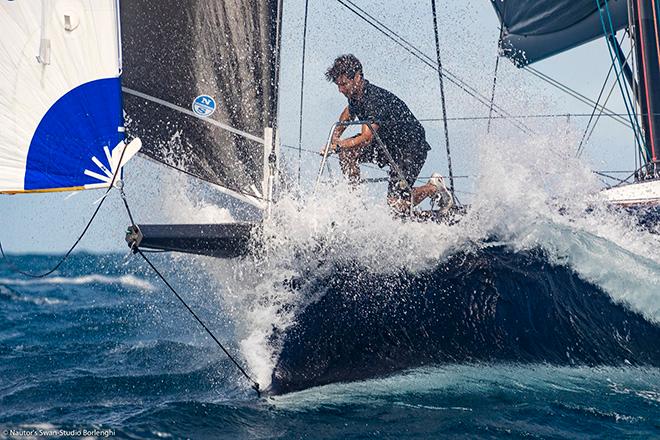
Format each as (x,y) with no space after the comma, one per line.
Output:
(538,116)
(422,178)
(255,384)
(593,112)
(89,223)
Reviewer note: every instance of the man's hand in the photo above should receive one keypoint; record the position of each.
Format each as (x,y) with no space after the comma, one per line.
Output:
(333,148)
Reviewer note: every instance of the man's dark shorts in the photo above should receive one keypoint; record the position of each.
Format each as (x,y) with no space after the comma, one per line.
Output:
(410,167)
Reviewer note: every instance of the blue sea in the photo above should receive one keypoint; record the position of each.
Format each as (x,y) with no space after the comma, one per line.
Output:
(102,348)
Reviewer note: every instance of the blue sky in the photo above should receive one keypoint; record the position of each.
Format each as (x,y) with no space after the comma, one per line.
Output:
(50,223)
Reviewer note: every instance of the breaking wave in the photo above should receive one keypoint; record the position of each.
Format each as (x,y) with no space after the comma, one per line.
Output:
(535,222)
(129,281)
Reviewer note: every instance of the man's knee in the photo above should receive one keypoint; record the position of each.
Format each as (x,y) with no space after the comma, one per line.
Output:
(347,155)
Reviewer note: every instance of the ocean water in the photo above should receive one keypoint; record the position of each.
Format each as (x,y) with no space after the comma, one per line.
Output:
(536,316)
(104,346)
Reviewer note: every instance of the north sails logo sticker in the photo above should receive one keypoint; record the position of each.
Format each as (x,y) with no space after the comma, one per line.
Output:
(204,106)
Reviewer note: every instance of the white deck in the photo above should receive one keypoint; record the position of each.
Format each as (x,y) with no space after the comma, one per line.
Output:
(640,193)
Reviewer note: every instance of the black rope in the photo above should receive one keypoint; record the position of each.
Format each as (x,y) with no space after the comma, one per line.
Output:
(442,97)
(15,269)
(425,59)
(128,210)
(302,90)
(255,384)
(492,94)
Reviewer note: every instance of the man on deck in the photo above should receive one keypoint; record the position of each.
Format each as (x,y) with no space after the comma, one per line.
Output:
(395,125)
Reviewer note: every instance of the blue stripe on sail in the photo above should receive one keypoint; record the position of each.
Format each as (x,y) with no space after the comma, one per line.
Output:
(75,129)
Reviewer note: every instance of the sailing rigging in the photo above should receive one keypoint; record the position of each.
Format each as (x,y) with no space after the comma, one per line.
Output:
(535,30)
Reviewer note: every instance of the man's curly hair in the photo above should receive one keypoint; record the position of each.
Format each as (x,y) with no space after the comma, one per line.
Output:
(347,65)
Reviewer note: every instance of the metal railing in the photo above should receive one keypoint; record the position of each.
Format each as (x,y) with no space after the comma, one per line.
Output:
(383,149)
(379,143)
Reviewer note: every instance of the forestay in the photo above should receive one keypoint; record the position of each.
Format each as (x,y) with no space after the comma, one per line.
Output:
(61,122)
(200,80)
(536,29)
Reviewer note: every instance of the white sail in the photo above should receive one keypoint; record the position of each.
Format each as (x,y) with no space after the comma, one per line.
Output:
(61,121)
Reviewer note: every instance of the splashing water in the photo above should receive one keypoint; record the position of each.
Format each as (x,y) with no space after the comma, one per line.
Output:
(543,199)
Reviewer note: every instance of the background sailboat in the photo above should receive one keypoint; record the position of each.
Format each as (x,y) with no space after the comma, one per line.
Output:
(533,31)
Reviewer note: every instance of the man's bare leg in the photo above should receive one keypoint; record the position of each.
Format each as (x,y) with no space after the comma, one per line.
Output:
(420,193)
(348,160)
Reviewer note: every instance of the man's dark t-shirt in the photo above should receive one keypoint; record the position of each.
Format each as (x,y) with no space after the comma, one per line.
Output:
(399,130)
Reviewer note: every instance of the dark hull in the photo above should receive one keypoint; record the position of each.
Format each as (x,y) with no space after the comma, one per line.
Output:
(490,306)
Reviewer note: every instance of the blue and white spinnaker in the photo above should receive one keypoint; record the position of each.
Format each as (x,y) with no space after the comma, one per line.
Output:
(61,119)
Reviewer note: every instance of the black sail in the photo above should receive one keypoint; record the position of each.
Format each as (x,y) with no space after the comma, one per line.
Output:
(177,51)
(536,29)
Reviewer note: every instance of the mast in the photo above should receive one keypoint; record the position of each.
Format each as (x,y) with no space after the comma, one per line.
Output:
(644,30)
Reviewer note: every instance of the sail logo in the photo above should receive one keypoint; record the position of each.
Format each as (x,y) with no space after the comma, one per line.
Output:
(204,106)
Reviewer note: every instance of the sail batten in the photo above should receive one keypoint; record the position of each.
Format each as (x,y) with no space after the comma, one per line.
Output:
(533,30)
(200,80)
(188,112)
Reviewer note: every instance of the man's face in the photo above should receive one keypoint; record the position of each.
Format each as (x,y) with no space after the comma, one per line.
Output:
(350,88)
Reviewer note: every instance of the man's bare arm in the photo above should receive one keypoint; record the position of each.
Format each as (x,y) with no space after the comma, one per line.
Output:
(339,130)
(363,139)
